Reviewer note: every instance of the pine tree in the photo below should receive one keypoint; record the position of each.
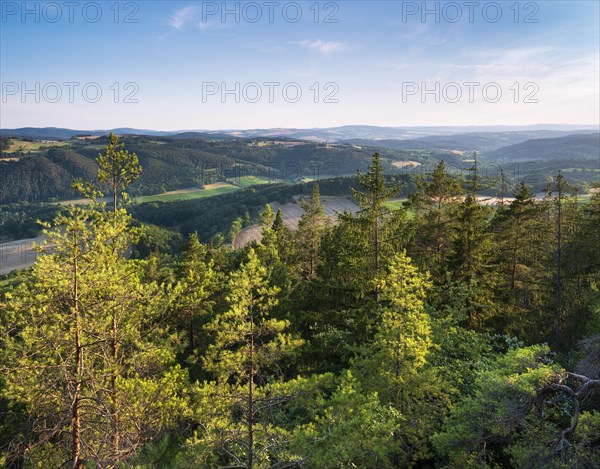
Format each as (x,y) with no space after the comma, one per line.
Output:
(195,290)
(403,335)
(434,203)
(118,169)
(373,212)
(282,238)
(561,196)
(352,429)
(267,251)
(311,227)
(394,364)
(107,314)
(236,228)
(470,259)
(248,346)
(59,357)
(519,231)
(582,261)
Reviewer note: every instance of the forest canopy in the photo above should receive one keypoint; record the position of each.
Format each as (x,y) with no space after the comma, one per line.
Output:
(445,333)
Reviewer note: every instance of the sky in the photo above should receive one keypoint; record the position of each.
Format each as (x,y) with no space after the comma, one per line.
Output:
(245,65)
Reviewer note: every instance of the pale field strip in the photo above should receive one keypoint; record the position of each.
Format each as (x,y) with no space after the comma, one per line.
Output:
(292,213)
(207,187)
(405,164)
(18,255)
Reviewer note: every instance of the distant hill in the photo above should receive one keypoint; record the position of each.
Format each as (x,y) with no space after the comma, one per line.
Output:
(479,141)
(570,147)
(203,135)
(176,162)
(56,133)
(385,136)
(190,159)
(44,133)
(44,177)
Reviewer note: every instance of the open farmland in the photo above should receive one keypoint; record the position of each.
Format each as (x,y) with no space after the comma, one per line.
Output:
(291,216)
(190,194)
(247,181)
(17,255)
(33,147)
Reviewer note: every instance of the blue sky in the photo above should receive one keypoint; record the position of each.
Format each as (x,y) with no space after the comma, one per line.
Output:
(183,65)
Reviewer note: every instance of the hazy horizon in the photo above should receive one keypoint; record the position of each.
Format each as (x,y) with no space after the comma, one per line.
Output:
(506,127)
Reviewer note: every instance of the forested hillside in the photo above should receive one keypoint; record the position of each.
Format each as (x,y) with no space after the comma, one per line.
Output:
(570,147)
(172,163)
(186,160)
(43,177)
(446,333)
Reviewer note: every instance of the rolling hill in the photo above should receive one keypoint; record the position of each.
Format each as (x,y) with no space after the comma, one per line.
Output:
(330,134)
(173,163)
(480,141)
(570,147)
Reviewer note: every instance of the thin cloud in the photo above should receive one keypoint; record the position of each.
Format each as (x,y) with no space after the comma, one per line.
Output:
(181,17)
(322,47)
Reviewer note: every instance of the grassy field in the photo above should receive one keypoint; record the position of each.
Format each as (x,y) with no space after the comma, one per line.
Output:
(395,204)
(189,194)
(21,145)
(247,181)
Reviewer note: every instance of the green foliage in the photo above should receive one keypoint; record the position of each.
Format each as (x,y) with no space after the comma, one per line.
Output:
(248,347)
(484,424)
(20,221)
(521,229)
(469,260)
(90,318)
(248,342)
(433,203)
(118,169)
(325,346)
(195,295)
(236,228)
(311,227)
(353,430)
(403,338)
(536,447)
(154,239)
(376,192)
(395,364)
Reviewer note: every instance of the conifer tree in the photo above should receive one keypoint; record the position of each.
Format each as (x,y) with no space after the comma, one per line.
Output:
(394,364)
(373,211)
(470,259)
(195,290)
(268,251)
(236,228)
(562,206)
(519,230)
(99,318)
(311,226)
(434,201)
(58,358)
(282,238)
(248,347)
(118,169)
